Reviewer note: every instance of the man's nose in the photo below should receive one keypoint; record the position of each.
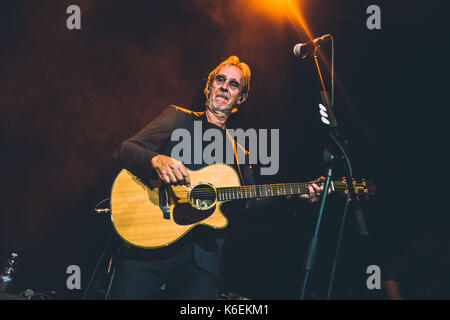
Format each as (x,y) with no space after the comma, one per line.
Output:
(224,87)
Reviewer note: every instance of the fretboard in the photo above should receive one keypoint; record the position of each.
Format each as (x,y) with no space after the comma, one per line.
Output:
(261,191)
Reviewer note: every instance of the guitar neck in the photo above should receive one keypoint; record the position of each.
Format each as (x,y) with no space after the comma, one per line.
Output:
(263,191)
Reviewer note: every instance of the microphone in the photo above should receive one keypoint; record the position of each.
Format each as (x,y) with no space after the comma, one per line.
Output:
(301,49)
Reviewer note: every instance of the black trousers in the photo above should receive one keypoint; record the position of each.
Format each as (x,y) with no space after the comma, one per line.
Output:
(173,277)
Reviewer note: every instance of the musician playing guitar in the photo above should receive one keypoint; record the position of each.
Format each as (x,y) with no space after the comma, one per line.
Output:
(192,268)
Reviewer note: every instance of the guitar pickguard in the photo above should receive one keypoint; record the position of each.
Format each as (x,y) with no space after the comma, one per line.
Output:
(184,214)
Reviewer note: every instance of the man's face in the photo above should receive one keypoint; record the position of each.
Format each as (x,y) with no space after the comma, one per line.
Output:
(225,90)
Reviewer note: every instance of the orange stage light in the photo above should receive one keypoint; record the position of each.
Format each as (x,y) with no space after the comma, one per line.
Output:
(282,9)
(292,11)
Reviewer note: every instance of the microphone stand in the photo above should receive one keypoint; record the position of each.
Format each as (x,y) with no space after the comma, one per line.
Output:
(334,134)
(312,249)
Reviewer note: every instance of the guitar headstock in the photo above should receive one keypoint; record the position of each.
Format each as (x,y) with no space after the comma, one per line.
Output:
(362,188)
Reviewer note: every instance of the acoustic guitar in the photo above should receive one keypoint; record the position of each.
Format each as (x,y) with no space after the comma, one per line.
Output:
(155,215)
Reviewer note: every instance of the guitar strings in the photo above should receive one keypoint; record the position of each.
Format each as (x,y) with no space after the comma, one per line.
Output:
(254,189)
(273,186)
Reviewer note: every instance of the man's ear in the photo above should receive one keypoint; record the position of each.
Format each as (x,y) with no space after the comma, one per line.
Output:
(242,99)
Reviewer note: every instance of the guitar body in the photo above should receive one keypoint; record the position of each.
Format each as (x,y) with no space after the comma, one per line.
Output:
(154,216)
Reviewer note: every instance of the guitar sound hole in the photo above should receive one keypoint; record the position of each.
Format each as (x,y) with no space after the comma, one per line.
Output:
(202,196)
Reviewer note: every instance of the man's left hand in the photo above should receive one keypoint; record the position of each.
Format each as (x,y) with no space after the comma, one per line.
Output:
(315,190)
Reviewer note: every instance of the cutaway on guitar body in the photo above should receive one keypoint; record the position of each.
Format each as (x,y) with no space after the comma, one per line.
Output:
(157,215)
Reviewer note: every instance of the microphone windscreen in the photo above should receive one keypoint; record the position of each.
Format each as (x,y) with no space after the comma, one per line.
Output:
(298,50)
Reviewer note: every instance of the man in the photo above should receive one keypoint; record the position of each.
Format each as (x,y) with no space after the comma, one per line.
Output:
(191,270)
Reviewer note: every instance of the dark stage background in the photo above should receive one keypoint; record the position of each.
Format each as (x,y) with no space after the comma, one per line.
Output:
(69,97)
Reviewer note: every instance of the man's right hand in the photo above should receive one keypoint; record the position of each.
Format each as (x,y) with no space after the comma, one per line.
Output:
(170,170)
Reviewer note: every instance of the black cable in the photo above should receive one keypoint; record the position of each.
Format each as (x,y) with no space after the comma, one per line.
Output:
(96,206)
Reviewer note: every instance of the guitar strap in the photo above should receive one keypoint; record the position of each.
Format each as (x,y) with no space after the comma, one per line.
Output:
(235,153)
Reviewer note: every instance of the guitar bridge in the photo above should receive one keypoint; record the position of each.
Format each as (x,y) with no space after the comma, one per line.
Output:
(164,202)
